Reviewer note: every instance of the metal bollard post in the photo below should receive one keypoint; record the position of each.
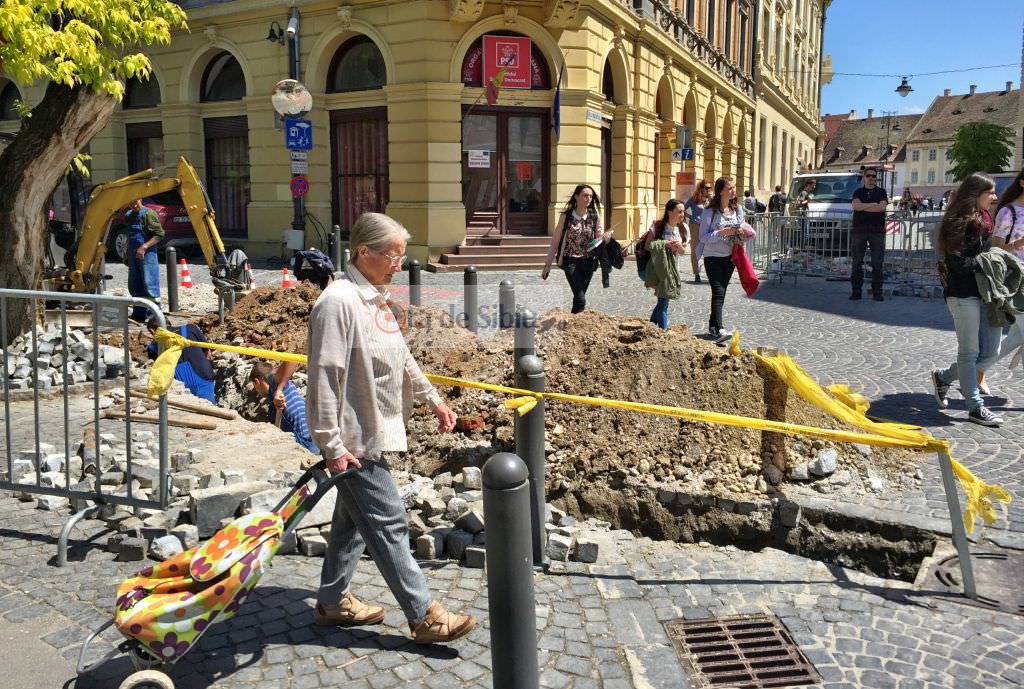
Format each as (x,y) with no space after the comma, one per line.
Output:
(415,283)
(172,278)
(524,335)
(529,433)
(510,598)
(963,549)
(506,304)
(336,249)
(471,300)
(345,256)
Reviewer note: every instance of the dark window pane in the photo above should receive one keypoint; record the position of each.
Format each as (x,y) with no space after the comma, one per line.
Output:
(223,80)
(141,94)
(227,172)
(8,95)
(358,66)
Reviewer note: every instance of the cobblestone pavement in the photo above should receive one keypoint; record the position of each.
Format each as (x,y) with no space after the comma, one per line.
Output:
(599,626)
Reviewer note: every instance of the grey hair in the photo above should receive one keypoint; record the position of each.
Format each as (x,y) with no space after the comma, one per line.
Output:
(377,232)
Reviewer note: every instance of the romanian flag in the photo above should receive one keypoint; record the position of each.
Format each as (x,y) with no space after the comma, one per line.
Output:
(494,85)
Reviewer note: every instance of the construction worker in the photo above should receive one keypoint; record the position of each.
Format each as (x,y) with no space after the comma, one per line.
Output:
(286,406)
(144,234)
(193,369)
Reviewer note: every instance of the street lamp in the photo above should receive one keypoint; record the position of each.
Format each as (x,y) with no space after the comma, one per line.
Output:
(904,88)
(889,125)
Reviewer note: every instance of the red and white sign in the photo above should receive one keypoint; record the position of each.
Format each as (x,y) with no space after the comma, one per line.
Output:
(511,53)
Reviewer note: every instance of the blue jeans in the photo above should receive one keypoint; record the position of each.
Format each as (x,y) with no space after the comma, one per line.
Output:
(976,341)
(143,279)
(1013,340)
(660,314)
(196,384)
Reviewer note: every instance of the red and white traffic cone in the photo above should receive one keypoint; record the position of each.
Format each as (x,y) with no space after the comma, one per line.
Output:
(286,279)
(186,279)
(252,277)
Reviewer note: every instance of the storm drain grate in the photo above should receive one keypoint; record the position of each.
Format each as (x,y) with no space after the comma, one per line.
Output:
(746,652)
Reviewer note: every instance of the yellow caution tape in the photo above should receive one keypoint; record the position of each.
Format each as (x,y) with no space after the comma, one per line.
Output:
(844,404)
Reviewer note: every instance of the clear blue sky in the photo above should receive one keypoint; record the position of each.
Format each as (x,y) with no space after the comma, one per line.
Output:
(916,36)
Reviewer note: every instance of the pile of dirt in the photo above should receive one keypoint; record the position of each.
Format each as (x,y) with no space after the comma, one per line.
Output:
(266,317)
(597,355)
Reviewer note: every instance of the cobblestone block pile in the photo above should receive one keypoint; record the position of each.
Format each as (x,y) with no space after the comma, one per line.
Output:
(45,360)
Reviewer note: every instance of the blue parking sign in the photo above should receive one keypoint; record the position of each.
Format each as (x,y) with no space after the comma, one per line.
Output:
(298,135)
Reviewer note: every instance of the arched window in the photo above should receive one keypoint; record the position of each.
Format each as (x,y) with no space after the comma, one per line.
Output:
(608,83)
(9,94)
(141,94)
(222,80)
(473,64)
(357,66)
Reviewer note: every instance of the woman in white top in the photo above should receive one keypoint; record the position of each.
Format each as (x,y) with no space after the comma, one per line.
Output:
(1009,235)
(721,227)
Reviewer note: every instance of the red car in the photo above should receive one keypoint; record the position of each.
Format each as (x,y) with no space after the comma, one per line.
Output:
(173,218)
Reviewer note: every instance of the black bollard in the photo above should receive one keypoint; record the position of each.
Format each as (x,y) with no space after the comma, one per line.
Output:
(510,598)
(506,304)
(336,248)
(172,278)
(471,300)
(529,431)
(415,283)
(524,335)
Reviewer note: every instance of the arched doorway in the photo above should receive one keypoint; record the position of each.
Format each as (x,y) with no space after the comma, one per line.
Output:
(227,145)
(728,150)
(359,136)
(710,141)
(144,140)
(505,161)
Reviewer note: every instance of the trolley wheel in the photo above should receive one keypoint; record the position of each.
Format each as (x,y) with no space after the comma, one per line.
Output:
(147,679)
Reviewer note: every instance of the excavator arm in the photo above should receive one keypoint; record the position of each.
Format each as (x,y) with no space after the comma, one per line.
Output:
(107,200)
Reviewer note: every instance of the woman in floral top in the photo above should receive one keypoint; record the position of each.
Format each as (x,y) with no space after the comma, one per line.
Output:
(576,235)
(1008,235)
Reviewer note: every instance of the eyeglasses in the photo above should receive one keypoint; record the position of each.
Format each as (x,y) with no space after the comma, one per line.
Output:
(396,261)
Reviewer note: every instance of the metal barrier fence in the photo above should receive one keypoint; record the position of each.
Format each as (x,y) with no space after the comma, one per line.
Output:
(73,474)
(819,245)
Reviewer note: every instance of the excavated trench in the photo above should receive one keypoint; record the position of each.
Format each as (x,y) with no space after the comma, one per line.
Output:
(659,477)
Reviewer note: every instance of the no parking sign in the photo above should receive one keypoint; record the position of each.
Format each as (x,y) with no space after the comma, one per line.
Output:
(300,185)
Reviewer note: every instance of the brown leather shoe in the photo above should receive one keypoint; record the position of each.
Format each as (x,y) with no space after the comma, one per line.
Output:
(350,612)
(441,626)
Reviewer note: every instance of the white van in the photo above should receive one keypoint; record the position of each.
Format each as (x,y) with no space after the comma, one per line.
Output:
(833,192)
(823,227)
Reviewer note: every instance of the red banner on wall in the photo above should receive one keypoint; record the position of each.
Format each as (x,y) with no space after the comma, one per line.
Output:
(511,53)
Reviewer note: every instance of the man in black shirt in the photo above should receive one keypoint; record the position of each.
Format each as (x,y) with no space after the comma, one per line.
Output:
(777,201)
(869,203)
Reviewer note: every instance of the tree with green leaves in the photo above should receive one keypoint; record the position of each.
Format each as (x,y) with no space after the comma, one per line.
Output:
(980,147)
(85,50)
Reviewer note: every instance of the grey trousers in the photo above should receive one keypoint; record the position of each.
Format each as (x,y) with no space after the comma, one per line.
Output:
(369,514)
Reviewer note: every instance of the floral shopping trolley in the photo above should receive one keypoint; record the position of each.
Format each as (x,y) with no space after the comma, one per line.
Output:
(163,610)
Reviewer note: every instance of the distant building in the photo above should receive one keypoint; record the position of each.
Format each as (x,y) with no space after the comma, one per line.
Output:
(928,156)
(875,141)
(830,123)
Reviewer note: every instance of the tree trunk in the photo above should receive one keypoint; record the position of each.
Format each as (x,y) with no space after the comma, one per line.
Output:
(31,166)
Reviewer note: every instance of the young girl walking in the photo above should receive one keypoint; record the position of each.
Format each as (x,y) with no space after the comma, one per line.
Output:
(963,236)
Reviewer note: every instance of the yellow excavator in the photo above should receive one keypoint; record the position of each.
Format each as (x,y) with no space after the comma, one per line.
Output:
(84,261)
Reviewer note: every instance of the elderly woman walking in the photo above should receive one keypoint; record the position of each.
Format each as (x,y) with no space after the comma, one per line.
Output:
(362,385)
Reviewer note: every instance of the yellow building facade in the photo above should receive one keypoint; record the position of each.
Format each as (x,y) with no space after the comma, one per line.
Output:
(788,81)
(401,123)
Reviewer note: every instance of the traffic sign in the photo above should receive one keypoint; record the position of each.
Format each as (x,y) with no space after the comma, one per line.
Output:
(298,135)
(299,185)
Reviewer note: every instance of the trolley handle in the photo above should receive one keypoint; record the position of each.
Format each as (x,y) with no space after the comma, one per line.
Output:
(324,483)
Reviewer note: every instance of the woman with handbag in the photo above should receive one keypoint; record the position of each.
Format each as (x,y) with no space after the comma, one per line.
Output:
(721,228)
(577,234)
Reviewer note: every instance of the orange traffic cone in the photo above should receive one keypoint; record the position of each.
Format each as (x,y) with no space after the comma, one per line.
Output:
(286,279)
(186,279)
(252,277)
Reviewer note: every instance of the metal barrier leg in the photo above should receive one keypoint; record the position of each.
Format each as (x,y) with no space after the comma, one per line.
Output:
(963,550)
(510,597)
(62,540)
(529,433)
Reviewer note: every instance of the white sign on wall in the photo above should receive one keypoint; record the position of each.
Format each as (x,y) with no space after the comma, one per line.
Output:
(479,159)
